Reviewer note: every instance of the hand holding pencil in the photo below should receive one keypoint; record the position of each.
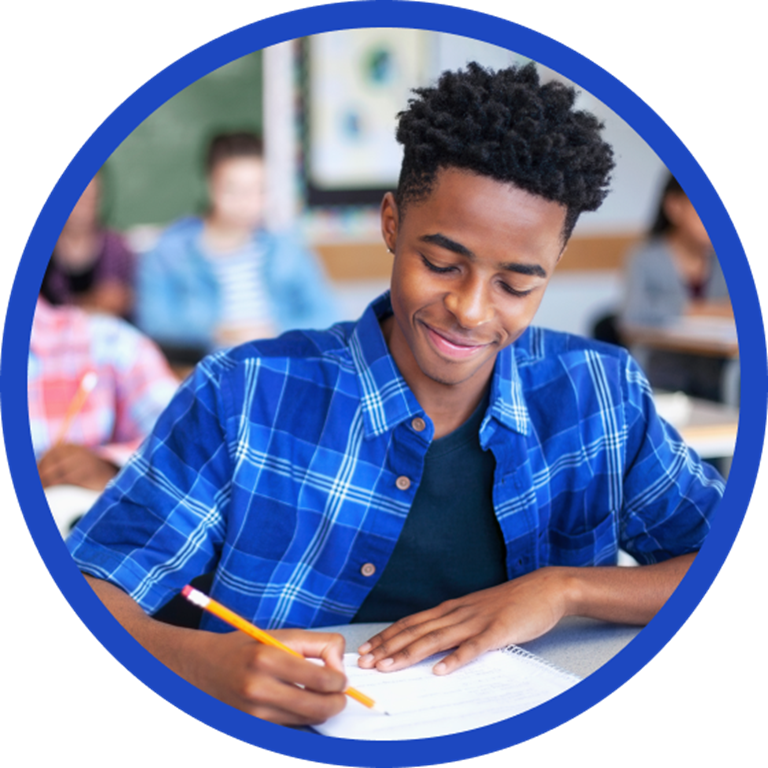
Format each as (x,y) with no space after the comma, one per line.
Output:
(66,463)
(258,679)
(291,659)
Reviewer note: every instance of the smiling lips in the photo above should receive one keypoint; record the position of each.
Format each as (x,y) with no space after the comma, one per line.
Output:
(451,346)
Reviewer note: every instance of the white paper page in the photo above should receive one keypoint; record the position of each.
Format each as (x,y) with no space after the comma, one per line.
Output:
(68,503)
(494,687)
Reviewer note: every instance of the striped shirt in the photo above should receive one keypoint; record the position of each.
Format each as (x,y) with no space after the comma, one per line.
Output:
(288,467)
(240,276)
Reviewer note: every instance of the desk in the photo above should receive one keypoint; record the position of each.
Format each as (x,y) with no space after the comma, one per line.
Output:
(696,335)
(709,428)
(68,503)
(576,644)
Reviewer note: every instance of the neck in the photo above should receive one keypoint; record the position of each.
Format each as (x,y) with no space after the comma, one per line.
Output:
(691,257)
(447,405)
(686,247)
(450,411)
(224,236)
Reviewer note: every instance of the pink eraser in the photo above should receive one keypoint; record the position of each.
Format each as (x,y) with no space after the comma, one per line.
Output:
(187,591)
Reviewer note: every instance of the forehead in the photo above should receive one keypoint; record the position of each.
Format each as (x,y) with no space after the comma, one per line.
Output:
(490,218)
(242,166)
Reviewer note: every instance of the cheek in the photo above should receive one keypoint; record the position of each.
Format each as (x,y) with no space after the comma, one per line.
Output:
(518,317)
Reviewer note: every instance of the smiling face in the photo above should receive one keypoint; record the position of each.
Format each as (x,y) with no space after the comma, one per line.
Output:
(471,265)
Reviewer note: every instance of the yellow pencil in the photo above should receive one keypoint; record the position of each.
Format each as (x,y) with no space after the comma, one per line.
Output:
(196,597)
(87,383)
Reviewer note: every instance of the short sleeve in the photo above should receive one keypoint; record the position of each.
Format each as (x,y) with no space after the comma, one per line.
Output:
(670,494)
(161,522)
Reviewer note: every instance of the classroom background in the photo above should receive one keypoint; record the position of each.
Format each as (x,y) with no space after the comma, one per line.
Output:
(326,105)
(326,108)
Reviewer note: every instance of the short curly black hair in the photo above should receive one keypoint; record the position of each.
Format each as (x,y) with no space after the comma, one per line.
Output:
(507,125)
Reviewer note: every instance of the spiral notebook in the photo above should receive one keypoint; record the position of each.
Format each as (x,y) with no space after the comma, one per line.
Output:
(493,687)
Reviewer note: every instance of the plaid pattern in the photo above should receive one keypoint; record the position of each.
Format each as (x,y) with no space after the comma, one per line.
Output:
(134,381)
(277,464)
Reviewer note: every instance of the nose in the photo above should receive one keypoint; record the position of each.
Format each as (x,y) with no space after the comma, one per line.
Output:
(470,303)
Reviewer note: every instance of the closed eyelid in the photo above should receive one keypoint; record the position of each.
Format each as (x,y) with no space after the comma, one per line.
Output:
(452,267)
(515,292)
(436,267)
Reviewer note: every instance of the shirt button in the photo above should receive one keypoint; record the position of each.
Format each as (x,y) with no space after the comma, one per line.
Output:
(368,569)
(419,424)
(403,483)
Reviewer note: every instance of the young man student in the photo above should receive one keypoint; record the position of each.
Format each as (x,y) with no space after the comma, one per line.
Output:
(438,462)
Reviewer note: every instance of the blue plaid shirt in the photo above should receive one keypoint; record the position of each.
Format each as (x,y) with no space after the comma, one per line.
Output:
(288,467)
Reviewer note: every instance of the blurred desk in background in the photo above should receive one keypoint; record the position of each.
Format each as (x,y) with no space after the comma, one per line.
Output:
(697,335)
(68,503)
(707,427)
(711,429)
(706,336)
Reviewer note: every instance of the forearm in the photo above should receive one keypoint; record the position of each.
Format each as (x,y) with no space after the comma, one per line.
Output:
(264,681)
(522,610)
(622,595)
(164,641)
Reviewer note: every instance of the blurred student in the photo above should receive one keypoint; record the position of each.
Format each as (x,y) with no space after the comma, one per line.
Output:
(133,384)
(223,279)
(675,273)
(91,267)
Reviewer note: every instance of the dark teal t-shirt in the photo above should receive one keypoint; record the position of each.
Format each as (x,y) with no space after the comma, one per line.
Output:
(451,543)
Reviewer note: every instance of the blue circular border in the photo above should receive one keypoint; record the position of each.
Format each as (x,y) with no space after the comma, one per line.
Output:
(13,382)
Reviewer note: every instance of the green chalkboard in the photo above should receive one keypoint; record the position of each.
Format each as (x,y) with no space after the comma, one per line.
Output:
(156,174)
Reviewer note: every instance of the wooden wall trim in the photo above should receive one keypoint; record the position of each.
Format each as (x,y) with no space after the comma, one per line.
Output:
(597,252)
(367,260)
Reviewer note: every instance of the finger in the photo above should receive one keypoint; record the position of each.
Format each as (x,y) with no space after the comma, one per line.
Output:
(52,468)
(466,652)
(66,471)
(282,702)
(311,708)
(406,624)
(411,647)
(295,670)
(328,646)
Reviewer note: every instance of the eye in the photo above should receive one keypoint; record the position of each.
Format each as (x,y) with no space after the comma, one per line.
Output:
(434,268)
(514,292)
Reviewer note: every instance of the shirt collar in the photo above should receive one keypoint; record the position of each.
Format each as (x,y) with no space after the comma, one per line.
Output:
(388,401)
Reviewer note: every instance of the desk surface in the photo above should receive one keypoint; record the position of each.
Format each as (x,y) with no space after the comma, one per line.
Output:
(709,428)
(709,336)
(576,644)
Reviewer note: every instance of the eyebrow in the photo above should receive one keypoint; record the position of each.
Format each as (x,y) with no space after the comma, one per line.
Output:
(512,266)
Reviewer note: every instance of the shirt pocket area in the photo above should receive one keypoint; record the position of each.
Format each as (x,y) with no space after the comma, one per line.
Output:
(596,546)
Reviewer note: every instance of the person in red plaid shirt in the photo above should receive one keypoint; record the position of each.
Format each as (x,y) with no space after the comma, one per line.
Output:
(133,384)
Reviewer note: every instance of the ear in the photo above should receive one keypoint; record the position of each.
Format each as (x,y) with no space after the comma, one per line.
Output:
(390,220)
